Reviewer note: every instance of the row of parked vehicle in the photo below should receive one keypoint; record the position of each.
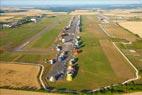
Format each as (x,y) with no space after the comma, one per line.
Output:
(65,58)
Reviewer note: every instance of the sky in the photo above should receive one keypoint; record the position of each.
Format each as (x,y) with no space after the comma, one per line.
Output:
(68,2)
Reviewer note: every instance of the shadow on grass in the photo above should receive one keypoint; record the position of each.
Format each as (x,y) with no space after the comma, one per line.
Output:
(76,70)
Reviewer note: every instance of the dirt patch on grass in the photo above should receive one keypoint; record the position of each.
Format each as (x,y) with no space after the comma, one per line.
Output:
(119,65)
(135,27)
(19,75)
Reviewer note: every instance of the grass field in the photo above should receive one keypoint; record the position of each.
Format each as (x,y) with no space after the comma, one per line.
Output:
(19,76)
(47,39)
(10,38)
(119,64)
(40,44)
(95,69)
(134,57)
(100,64)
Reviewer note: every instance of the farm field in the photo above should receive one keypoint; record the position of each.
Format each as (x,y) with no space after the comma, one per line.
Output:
(21,92)
(115,31)
(100,64)
(123,13)
(19,76)
(5,18)
(134,93)
(133,26)
(31,12)
(94,65)
(40,48)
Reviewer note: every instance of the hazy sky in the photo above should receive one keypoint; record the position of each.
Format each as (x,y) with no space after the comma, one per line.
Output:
(67,2)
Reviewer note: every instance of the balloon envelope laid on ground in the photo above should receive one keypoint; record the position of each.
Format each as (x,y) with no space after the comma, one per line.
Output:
(69,77)
(52,79)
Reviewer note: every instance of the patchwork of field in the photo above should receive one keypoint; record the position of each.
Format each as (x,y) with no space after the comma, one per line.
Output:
(14,75)
(123,12)
(31,12)
(21,92)
(40,44)
(5,18)
(95,66)
(134,53)
(115,31)
(100,63)
(134,27)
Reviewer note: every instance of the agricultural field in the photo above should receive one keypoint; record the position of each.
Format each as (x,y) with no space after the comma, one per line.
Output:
(134,53)
(14,75)
(95,66)
(133,26)
(125,13)
(40,41)
(99,62)
(115,31)
(5,18)
(31,12)
(127,36)
(134,93)
(22,92)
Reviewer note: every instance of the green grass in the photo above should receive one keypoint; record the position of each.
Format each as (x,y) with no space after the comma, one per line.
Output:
(14,36)
(46,40)
(8,56)
(29,58)
(94,68)
(137,44)
(49,37)
(136,60)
